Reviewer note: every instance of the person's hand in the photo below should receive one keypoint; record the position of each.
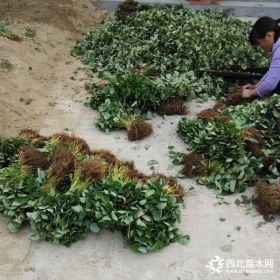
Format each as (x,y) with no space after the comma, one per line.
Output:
(248,86)
(248,92)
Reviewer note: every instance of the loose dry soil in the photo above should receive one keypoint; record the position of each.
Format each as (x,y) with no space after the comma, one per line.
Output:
(51,81)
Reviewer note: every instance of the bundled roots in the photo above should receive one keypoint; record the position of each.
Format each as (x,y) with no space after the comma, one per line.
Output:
(79,143)
(31,159)
(105,155)
(132,173)
(195,164)
(254,141)
(92,170)
(170,108)
(267,198)
(236,99)
(253,133)
(63,163)
(138,129)
(32,135)
(208,114)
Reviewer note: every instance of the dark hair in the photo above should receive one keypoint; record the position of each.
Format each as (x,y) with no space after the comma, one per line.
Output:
(262,26)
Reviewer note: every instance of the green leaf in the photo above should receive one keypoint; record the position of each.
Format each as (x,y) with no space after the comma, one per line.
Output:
(94,228)
(152,162)
(77,208)
(183,240)
(226,248)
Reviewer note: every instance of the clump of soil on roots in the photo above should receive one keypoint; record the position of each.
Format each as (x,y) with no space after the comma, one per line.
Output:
(267,198)
(138,129)
(170,108)
(195,164)
(32,159)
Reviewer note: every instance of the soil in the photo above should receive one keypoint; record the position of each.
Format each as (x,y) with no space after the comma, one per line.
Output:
(38,92)
(43,71)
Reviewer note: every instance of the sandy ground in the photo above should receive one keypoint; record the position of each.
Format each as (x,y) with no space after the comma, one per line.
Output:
(42,71)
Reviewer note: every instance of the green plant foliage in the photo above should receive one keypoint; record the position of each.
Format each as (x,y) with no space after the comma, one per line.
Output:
(3,27)
(5,64)
(19,190)
(9,150)
(30,32)
(152,56)
(232,167)
(59,218)
(80,193)
(146,213)
(217,139)
(6,32)
(128,7)
(168,39)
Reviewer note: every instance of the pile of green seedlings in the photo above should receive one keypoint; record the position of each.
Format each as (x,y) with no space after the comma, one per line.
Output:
(149,61)
(65,190)
(237,146)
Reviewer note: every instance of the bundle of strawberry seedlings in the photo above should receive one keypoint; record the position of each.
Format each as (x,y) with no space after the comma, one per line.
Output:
(65,190)
(149,61)
(237,146)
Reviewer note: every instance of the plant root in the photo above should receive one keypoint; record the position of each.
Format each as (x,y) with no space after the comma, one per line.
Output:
(170,108)
(267,198)
(63,164)
(36,139)
(79,143)
(31,159)
(92,170)
(172,186)
(236,99)
(208,114)
(195,164)
(220,106)
(105,155)
(254,141)
(138,129)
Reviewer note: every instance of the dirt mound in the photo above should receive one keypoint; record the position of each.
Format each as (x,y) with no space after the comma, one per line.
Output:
(70,15)
(42,73)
